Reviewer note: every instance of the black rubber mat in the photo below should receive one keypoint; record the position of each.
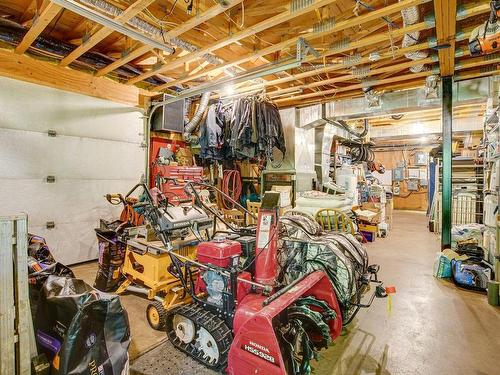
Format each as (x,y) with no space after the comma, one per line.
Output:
(165,359)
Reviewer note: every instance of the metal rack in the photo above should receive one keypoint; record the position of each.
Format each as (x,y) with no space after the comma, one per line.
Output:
(491,161)
(467,193)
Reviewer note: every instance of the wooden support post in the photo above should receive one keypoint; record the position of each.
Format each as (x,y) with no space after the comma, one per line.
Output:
(447,120)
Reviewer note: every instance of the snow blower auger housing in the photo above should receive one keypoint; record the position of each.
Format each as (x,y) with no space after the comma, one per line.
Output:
(242,318)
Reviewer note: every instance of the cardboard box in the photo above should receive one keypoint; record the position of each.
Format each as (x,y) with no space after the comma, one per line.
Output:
(368,228)
(285,194)
(370,213)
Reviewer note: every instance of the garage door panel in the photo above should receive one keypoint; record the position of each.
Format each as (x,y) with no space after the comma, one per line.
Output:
(63,201)
(96,151)
(70,243)
(26,154)
(26,106)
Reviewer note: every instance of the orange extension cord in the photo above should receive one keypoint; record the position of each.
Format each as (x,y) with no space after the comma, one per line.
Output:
(231,186)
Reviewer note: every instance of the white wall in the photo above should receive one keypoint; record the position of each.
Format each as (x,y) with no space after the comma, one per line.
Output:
(97,150)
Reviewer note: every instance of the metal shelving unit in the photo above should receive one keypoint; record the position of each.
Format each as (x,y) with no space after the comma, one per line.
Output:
(491,162)
(467,193)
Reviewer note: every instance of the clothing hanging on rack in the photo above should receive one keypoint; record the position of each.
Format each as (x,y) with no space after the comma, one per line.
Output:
(247,128)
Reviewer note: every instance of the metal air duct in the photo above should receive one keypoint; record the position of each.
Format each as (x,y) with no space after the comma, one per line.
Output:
(411,16)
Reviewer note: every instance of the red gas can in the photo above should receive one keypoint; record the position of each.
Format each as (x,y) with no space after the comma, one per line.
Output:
(219,252)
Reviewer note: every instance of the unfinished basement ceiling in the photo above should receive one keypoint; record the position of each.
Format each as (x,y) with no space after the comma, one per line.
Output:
(357,44)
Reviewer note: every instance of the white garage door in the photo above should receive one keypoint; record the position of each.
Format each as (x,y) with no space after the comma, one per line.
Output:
(97,150)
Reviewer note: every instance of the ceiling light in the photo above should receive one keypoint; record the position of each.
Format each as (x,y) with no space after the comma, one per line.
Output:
(228,90)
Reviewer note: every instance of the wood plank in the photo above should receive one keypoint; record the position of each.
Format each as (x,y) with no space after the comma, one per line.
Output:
(446,21)
(348,77)
(374,83)
(471,11)
(44,73)
(182,28)
(471,62)
(249,31)
(7,308)
(477,62)
(104,32)
(356,93)
(46,17)
(339,27)
(23,316)
(477,73)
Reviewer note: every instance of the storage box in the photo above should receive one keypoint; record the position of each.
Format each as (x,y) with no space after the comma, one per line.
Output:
(369,236)
(369,213)
(368,228)
(285,194)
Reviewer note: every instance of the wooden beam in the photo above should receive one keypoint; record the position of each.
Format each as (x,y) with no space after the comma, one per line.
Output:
(182,28)
(340,26)
(373,83)
(348,77)
(469,12)
(493,70)
(46,17)
(104,32)
(477,62)
(249,31)
(356,93)
(364,42)
(25,68)
(446,24)
(395,80)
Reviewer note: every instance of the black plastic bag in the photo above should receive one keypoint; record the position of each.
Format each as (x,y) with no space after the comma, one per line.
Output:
(111,257)
(81,330)
(37,279)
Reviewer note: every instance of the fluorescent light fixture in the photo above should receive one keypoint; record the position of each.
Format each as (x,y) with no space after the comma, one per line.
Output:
(111,23)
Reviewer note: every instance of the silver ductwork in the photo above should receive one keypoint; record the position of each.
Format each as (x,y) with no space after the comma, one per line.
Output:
(411,16)
(195,120)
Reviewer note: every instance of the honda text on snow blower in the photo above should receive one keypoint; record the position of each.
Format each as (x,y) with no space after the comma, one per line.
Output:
(264,299)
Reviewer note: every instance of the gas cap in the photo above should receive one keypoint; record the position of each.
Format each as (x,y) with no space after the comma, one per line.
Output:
(219,238)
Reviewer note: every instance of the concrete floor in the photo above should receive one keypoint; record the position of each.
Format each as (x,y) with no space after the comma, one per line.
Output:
(432,328)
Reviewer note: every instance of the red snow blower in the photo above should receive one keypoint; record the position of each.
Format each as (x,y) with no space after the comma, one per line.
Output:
(246,317)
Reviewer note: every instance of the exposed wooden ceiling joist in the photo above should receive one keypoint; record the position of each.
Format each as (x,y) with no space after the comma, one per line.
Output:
(266,35)
(184,27)
(249,31)
(103,32)
(339,27)
(356,86)
(47,15)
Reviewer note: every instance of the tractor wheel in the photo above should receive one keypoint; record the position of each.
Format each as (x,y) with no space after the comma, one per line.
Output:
(156,315)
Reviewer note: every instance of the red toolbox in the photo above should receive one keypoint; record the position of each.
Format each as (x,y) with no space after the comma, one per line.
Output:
(174,191)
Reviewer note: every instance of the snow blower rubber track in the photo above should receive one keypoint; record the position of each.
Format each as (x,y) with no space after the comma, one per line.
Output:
(215,326)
